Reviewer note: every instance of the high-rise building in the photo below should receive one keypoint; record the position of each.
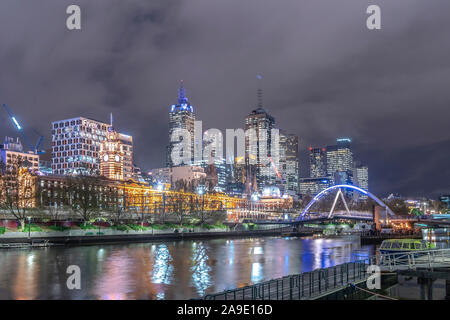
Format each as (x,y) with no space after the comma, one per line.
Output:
(361,177)
(76,144)
(281,168)
(237,170)
(292,163)
(112,156)
(263,123)
(127,147)
(312,186)
(317,162)
(181,117)
(214,164)
(340,157)
(288,164)
(12,155)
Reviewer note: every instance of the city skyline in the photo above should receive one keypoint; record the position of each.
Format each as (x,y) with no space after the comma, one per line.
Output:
(250,152)
(401,121)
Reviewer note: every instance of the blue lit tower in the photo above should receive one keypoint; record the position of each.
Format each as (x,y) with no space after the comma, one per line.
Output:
(181,116)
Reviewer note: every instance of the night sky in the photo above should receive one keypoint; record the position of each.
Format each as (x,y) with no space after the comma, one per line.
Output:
(325,75)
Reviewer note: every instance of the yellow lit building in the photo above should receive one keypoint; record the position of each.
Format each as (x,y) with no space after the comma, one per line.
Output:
(112,156)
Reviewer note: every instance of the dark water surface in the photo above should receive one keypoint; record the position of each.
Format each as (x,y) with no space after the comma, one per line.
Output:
(166,270)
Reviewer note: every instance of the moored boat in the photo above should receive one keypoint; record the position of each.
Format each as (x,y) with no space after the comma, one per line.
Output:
(391,246)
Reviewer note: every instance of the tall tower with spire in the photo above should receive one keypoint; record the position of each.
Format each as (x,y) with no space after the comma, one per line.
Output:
(181,117)
(259,119)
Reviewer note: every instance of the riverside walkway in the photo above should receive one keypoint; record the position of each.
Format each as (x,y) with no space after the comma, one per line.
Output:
(304,286)
(325,282)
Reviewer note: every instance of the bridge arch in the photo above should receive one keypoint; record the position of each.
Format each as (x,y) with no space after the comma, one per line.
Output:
(346,186)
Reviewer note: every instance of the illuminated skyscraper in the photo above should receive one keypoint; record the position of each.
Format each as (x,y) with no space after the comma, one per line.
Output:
(317,162)
(312,186)
(292,163)
(76,143)
(288,165)
(260,121)
(258,169)
(340,157)
(127,146)
(181,117)
(361,177)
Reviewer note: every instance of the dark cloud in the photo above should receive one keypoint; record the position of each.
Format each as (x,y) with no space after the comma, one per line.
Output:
(324,74)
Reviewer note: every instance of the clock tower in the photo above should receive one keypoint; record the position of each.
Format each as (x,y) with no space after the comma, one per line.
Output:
(111,156)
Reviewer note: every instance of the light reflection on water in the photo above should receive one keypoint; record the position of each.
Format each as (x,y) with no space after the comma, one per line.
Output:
(166,270)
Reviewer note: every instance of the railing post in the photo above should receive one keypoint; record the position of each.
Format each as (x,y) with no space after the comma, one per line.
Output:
(429,261)
(277,290)
(291,284)
(334,276)
(390,264)
(347,265)
(263,291)
(303,285)
(320,280)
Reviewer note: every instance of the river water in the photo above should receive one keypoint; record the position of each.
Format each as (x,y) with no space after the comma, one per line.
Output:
(166,270)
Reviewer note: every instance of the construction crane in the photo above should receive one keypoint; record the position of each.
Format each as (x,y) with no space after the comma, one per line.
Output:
(19,128)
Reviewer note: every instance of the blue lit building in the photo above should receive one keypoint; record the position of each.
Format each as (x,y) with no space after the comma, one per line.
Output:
(181,117)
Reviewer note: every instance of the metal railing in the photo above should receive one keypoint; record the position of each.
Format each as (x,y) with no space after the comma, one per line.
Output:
(424,259)
(304,286)
(311,285)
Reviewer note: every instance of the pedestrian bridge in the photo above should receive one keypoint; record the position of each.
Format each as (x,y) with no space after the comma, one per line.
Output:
(351,215)
(306,215)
